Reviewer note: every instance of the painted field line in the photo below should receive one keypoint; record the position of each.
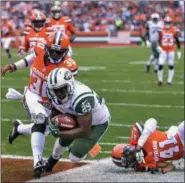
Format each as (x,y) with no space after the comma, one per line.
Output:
(114,124)
(146,105)
(44,158)
(120,90)
(122,104)
(122,137)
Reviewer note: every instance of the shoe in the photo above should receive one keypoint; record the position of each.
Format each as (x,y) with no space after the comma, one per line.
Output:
(159,83)
(169,84)
(14,134)
(38,170)
(155,71)
(147,68)
(49,164)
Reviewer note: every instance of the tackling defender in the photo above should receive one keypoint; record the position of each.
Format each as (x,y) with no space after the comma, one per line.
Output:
(46,57)
(150,149)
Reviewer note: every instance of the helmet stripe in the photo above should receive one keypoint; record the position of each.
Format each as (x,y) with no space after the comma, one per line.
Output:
(58,37)
(55,77)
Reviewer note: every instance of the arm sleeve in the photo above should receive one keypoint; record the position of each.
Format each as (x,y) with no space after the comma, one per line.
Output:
(28,60)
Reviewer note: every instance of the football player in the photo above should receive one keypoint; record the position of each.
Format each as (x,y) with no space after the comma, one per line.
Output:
(150,149)
(169,35)
(59,22)
(36,32)
(47,55)
(151,38)
(7,31)
(68,95)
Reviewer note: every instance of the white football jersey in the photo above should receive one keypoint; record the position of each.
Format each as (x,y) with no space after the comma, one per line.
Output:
(154,30)
(82,102)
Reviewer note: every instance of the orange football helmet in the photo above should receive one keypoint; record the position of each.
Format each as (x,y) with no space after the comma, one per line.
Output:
(57,45)
(168,22)
(127,156)
(38,20)
(56,12)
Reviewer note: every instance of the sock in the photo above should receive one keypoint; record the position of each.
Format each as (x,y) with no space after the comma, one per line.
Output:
(160,75)
(8,53)
(170,75)
(58,150)
(37,144)
(156,64)
(150,60)
(25,129)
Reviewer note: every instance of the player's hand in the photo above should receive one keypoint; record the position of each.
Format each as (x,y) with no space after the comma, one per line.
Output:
(159,49)
(179,55)
(10,68)
(148,44)
(54,129)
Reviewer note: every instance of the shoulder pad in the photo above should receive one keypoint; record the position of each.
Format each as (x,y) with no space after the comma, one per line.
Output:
(84,103)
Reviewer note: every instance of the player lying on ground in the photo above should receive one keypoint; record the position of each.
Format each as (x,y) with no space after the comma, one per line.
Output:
(151,149)
(46,57)
(70,96)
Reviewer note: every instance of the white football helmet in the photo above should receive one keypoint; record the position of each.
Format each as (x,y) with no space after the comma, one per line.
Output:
(61,84)
(155,17)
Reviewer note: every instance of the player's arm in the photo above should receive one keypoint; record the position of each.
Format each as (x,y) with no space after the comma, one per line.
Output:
(149,127)
(178,44)
(83,106)
(70,28)
(71,65)
(145,37)
(165,167)
(25,62)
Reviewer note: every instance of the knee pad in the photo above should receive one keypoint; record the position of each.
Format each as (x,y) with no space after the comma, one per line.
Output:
(160,67)
(38,128)
(74,158)
(171,67)
(38,118)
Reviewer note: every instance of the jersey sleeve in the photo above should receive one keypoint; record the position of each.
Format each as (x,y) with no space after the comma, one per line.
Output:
(84,103)
(39,47)
(70,26)
(71,65)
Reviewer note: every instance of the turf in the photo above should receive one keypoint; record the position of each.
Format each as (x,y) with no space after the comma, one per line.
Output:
(118,76)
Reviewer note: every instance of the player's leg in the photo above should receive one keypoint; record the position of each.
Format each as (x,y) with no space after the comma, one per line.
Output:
(181,132)
(60,146)
(81,146)
(7,42)
(162,59)
(149,62)
(70,52)
(156,56)
(39,115)
(171,57)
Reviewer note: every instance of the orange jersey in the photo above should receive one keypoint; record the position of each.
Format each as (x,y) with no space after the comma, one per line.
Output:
(32,36)
(63,23)
(160,148)
(167,38)
(6,30)
(41,68)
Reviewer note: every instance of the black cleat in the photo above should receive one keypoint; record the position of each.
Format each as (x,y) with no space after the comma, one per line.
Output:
(169,84)
(14,134)
(147,68)
(38,170)
(155,71)
(159,83)
(49,164)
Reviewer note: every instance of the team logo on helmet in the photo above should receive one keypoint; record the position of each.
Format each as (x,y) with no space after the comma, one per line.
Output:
(67,75)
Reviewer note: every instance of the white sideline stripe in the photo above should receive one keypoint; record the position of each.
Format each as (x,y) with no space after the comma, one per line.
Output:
(44,158)
(139,91)
(123,104)
(103,80)
(112,124)
(146,105)
(120,90)
(122,137)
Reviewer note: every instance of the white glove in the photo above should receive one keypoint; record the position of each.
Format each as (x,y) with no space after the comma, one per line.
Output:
(159,49)
(13,94)
(148,44)
(179,55)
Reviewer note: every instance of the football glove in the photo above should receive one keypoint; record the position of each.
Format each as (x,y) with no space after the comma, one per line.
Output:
(178,55)
(10,68)
(54,129)
(148,44)
(159,49)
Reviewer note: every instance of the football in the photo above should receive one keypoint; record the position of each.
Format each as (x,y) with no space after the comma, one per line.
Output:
(64,121)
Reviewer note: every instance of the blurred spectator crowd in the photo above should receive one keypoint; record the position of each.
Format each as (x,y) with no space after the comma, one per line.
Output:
(99,15)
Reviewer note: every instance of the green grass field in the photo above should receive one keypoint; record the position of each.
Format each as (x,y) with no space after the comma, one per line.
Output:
(118,76)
